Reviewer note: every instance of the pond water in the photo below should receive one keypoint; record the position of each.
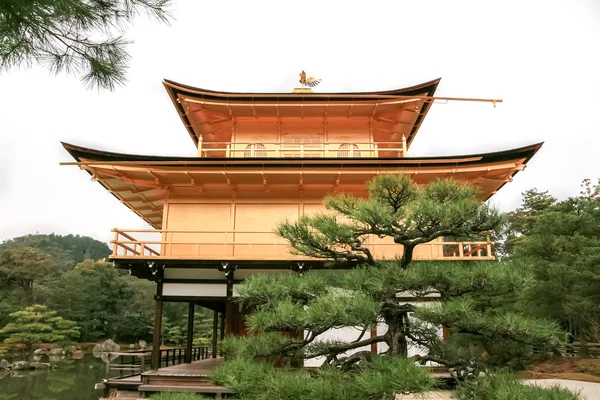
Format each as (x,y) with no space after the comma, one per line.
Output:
(72,380)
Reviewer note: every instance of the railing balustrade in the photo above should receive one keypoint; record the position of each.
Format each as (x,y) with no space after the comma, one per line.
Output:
(310,149)
(126,364)
(247,245)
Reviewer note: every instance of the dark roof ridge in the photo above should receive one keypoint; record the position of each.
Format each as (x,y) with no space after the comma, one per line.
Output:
(432,84)
(79,152)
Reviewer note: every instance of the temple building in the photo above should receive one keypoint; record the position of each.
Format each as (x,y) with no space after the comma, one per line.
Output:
(263,158)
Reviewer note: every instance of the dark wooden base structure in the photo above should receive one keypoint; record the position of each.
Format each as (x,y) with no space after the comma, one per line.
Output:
(187,377)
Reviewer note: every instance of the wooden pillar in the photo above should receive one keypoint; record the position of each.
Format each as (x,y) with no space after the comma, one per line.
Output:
(214,333)
(223,325)
(190,334)
(156,338)
(231,314)
(445,333)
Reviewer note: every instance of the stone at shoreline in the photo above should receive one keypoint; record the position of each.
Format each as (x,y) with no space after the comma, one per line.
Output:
(69,349)
(39,365)
(77,354)
(19,365)
(4,364)
(103,350)
(56,352)
(39,352)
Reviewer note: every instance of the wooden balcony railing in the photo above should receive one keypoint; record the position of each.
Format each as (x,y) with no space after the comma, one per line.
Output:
(125,364)
(303,149)
(247,245)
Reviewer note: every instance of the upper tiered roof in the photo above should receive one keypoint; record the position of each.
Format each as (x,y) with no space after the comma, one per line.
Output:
(210,115)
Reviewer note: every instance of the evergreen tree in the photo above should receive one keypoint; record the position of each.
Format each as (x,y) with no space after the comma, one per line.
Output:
(367,297)
(24,266)
(36,324)
(60,272)
(105,302)
(67,250)
(519,223)
(562,248)
(83,36)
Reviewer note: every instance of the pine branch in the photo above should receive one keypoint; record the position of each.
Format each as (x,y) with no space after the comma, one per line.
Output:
(332,351)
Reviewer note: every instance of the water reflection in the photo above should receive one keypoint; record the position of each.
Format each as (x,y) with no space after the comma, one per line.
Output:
(74,379)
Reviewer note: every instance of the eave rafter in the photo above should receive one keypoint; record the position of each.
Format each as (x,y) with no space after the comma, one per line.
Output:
(144,183)
(149,207)
(135,189)
(192,180)
(140,213)
(150,184)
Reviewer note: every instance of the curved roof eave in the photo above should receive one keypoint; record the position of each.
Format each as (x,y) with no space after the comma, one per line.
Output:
(175,89)
(79,153)
(515,158)
(429,87)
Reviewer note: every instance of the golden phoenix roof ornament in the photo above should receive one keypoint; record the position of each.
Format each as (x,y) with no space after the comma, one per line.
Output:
(310,82)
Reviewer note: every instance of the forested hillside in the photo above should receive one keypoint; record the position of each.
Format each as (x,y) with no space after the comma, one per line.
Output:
(68,274)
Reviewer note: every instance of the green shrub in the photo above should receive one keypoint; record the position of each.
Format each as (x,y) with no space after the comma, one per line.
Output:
(378,379)
(504,387)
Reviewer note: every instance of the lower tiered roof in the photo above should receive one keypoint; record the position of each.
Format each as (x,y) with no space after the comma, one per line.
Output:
(144,182)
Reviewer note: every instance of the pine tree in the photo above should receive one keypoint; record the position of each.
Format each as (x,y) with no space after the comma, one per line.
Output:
(519,222)
(470,297)
(24,266)
(562,249)
(72,35)
(36,324)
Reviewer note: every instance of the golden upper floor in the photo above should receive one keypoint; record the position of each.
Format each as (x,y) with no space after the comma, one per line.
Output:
(306,125)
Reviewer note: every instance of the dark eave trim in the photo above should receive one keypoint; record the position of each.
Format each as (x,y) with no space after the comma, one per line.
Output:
(81,153)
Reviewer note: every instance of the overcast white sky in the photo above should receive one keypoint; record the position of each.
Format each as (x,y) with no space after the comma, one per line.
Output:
(541,57)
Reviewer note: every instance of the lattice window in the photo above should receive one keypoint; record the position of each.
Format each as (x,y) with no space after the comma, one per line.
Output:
(254,150)
(347,150)
(302,146)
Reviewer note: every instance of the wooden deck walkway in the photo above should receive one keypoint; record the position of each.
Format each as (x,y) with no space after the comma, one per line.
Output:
(200,368)
(177,378)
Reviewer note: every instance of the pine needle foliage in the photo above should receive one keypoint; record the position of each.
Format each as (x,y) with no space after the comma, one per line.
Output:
(504,387)
(75,36)
(290,315)
(378,379)
(36,324)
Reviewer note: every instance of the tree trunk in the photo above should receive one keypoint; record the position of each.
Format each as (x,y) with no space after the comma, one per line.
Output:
(407,256)
(395,337)
(27,287)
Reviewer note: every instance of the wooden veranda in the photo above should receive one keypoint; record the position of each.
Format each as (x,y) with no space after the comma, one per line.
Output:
(180,377)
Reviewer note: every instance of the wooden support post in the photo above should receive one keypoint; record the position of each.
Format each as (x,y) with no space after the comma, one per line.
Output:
(222,328)
(156,337)
(222,335)
(403,146)
(214,333)
(190,334)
